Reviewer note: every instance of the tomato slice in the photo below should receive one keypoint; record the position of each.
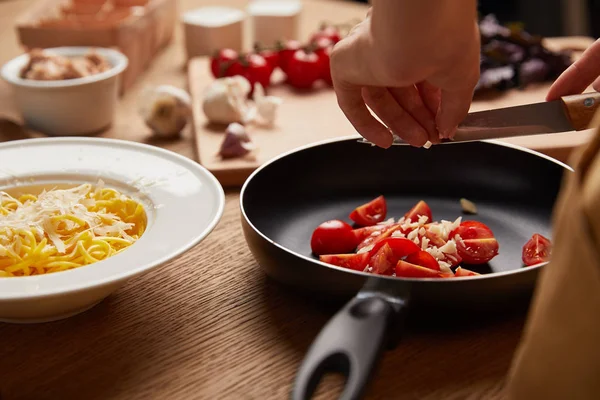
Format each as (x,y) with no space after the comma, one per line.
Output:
(383,261)
(370,213)
(333,237)
(376,239)
(363,233)
(400,246)
(453,259)
(357,262)
(408,270)
(421,208)
(477,251)
(537,250)
(423,259)
(472,230)
(460,271)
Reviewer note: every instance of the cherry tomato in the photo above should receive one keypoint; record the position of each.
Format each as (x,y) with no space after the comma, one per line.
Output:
(357,262)
(472,230)
(477,251)
(324,47)
(303,69)
(329,32)
(271,56)
(286,53)
(408,270)
(423,259)
(537,250)
(371,240)
(370,213)
(400,246)
(333,237)
(421,208)
(221,61)
(460,271)
(434,237)
(253,67)
(383,261)
(363,233)
(453,259)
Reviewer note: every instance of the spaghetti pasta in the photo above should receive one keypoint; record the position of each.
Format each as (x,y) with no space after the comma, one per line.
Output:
(64,229)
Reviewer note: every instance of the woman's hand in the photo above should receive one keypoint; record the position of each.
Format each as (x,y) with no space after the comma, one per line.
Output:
(415,64)
(582,73)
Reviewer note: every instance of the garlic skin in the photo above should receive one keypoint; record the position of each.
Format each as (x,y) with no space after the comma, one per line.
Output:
(266,106)
(224,100)
(165,109)
(236,143)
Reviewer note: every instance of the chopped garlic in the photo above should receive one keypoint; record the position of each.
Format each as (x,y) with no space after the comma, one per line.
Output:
(427,145)
(468,206)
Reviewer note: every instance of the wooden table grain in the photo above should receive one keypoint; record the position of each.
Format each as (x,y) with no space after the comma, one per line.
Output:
(210,325)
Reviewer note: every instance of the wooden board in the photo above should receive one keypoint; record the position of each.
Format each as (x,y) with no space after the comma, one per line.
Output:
(308,117)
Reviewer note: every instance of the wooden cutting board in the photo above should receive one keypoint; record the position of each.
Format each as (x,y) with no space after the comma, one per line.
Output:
(313,116)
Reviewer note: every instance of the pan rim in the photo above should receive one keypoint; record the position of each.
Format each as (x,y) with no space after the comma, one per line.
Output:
(366,274)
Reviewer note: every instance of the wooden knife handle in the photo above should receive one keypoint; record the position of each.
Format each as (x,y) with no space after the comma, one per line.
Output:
(581,108)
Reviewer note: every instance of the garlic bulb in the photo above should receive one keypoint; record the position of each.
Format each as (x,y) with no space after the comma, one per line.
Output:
(236,143)
(266,106)
(165,109)
(225,100)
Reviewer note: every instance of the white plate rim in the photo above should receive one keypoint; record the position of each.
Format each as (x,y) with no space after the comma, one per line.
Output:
(159,153)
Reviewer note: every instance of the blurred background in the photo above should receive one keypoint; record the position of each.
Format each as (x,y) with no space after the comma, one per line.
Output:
(546,17)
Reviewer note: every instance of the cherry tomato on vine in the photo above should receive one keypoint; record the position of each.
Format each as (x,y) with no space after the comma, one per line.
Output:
(303,69)
(221,61)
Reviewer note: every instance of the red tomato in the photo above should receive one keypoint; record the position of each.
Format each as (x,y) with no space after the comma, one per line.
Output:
(421,208)
(477,251)
(253,67)
(333,237)
(434,238)
(383,261)
(363,233)
(370,213)
(329,32)
(369,240)
(472,230)
(357,262)
(400,246)
(303,69)
(221,61)
(423,259)
(323,50)
(537,250)
(271,56)
(408,270)
(286,53)
(453,259)
(460,271)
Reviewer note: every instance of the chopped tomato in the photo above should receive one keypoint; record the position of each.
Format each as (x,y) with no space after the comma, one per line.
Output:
(423,259)
(477,251)
(357,262)
(370,213)
(460,271)
(447,275)
(408,270)
(453,259)
(333,237)
(372,240)
(434,238)
(421,208)
(472,230)
(363,233)
(537,250)
(383,261)
(400,246)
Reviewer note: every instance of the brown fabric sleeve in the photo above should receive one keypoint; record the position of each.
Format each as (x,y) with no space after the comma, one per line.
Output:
(559,353)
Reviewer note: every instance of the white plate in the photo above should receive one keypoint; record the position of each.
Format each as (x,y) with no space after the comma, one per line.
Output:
(183,201)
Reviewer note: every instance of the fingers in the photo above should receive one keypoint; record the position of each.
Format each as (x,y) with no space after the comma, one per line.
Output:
(579,75)
(381,101)
(410,100)
(454,107)
(431,96)
(353,106)
(596,84)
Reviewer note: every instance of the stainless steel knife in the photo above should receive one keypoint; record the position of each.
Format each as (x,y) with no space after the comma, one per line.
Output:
(569,113)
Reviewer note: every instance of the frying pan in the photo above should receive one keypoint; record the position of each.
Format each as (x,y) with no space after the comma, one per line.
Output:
(284,200)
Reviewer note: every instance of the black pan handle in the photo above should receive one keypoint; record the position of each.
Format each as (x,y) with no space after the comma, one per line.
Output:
(351,343)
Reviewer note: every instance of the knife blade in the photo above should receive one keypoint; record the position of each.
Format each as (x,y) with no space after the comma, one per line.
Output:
(569,113)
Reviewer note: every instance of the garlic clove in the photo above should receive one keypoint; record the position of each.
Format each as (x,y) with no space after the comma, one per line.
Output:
(225,100)
(266,106)
(236,143)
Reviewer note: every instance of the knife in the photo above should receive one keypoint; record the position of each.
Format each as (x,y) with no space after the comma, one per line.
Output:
(569,113)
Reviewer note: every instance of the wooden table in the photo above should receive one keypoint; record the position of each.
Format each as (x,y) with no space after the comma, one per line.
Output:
(210,325)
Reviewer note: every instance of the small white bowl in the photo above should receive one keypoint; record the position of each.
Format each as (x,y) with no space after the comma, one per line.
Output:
(69,107)
(183,202)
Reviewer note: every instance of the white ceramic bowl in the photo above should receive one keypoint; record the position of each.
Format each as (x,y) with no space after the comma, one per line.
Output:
(183,202)
(68,107)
